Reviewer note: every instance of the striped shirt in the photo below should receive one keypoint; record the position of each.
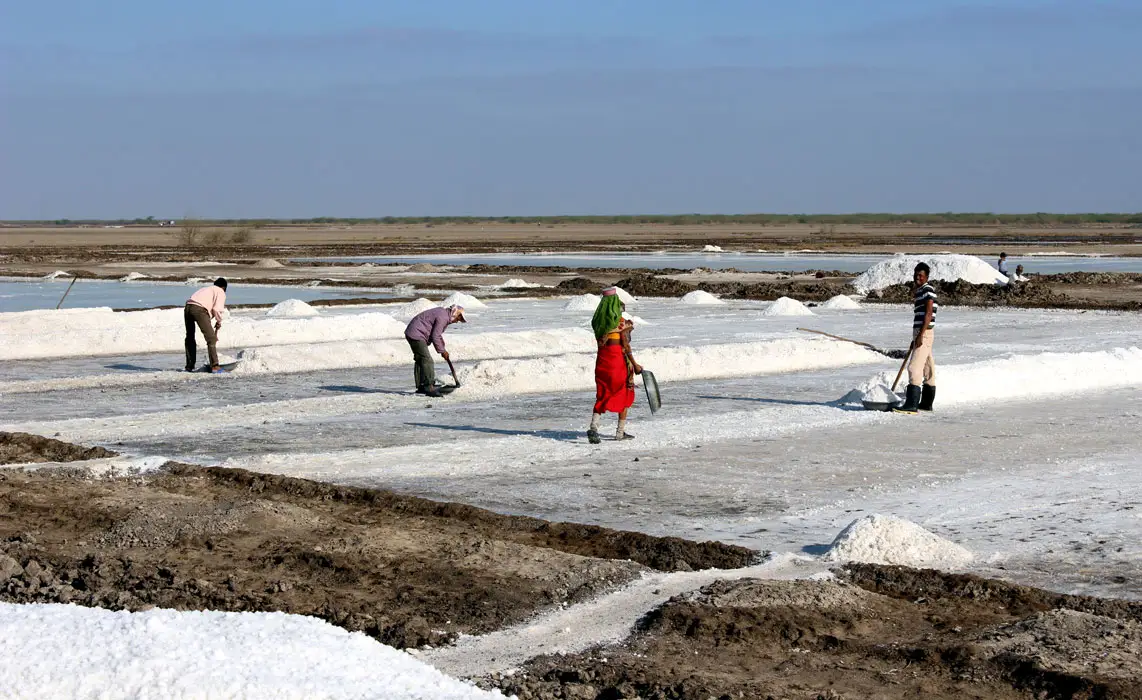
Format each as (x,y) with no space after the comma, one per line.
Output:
(920,306)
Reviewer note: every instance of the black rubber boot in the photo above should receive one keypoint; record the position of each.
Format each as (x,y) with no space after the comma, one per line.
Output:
(593,436)
(911,400)
(927,396)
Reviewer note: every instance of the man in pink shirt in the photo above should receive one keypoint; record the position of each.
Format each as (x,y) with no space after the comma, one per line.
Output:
(203,305)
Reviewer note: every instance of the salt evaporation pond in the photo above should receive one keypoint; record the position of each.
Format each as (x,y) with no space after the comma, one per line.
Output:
(19,295)
(747,262)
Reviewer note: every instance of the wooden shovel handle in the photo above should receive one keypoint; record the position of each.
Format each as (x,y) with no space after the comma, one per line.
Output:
(904,364)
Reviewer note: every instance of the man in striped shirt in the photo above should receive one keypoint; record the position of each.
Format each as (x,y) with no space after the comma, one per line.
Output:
(921,391)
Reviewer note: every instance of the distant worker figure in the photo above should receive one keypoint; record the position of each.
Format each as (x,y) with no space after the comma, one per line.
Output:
(921,391)
(424,328)
(615,366)
(1003,265)
(1019,274)
(203,305)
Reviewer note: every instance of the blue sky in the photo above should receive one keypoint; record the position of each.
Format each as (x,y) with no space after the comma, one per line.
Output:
(354,108)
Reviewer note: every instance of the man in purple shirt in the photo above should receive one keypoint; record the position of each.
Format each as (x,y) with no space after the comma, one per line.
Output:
(428,327)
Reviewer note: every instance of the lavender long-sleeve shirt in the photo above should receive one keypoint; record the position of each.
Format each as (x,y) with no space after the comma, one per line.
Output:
(428,326)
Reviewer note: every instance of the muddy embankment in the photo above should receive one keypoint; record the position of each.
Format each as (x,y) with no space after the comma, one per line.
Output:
(876,632)
(404,570)
(1118,291)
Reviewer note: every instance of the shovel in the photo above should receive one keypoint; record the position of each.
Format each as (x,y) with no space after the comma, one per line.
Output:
(454,377)
(894,354)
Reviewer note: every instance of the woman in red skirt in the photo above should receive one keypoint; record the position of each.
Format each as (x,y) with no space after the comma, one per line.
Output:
(614,365)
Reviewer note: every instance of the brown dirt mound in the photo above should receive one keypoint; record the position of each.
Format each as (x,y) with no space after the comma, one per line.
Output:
(25,448)
(579,285)
(404,570)
(960,293)
(801,290)
(835,640)
(653,286)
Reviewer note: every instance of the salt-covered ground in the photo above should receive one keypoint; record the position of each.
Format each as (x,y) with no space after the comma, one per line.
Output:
(1030,463)
(751,446)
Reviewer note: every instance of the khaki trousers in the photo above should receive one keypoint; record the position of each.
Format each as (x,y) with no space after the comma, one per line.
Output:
(195,315)
(922,366)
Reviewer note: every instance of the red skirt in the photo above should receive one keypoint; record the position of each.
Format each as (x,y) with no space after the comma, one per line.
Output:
(611,390)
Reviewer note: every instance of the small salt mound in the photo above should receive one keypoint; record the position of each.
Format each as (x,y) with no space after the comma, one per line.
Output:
(701,297)
(131,276)
(636,320)
(787,307)
(624,295)
(875,388)
(57,274)
(268,263)
(840,302)
(886,539)
(404,290)
(585,302)
(949,268)
(515,283)
(712,249)
(466,300)
(405,312)
(292,308)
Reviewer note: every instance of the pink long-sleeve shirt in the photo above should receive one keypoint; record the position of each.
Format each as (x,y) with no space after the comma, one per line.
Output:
(211,298)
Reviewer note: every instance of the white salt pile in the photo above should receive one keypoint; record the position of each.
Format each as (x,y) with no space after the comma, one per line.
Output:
(56,274)
(466,300)
(268,263)
(404,290)
(585,302)
(405,312)
(841,302)
(625,296)
(515,283)
(636,320)
(787,307)
(880,394)
(132,276)
(886,539)
(899,268)
(292,308)
(65,651)
(701,297)
(712,249)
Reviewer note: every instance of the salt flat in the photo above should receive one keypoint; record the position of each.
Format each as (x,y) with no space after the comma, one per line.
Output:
(752,446)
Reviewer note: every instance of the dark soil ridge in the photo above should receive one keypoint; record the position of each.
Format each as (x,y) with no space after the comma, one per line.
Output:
(912,584)
(907,634)
(1027,295)
(26,448)
(404,570)
(661,553)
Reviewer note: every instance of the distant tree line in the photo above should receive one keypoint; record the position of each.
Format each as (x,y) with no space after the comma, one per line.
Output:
(871,219)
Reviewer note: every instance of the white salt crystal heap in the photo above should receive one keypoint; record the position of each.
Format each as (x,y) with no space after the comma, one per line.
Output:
(899,269)
(701,297)
(466,300)
(787,307)
(886,539)
(292,308)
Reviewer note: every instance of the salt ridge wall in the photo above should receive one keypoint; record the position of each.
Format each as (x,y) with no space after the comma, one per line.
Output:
(1021,377)
(31,335)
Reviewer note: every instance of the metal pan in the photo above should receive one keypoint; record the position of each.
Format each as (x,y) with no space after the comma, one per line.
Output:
(651,385)
(880,405)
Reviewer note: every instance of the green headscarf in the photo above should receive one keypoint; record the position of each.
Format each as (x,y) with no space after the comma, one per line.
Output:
(607,315)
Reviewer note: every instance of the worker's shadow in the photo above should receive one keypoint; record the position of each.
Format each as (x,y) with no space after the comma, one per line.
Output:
(785,402)
(354,389)
(128,367)
(564,435)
